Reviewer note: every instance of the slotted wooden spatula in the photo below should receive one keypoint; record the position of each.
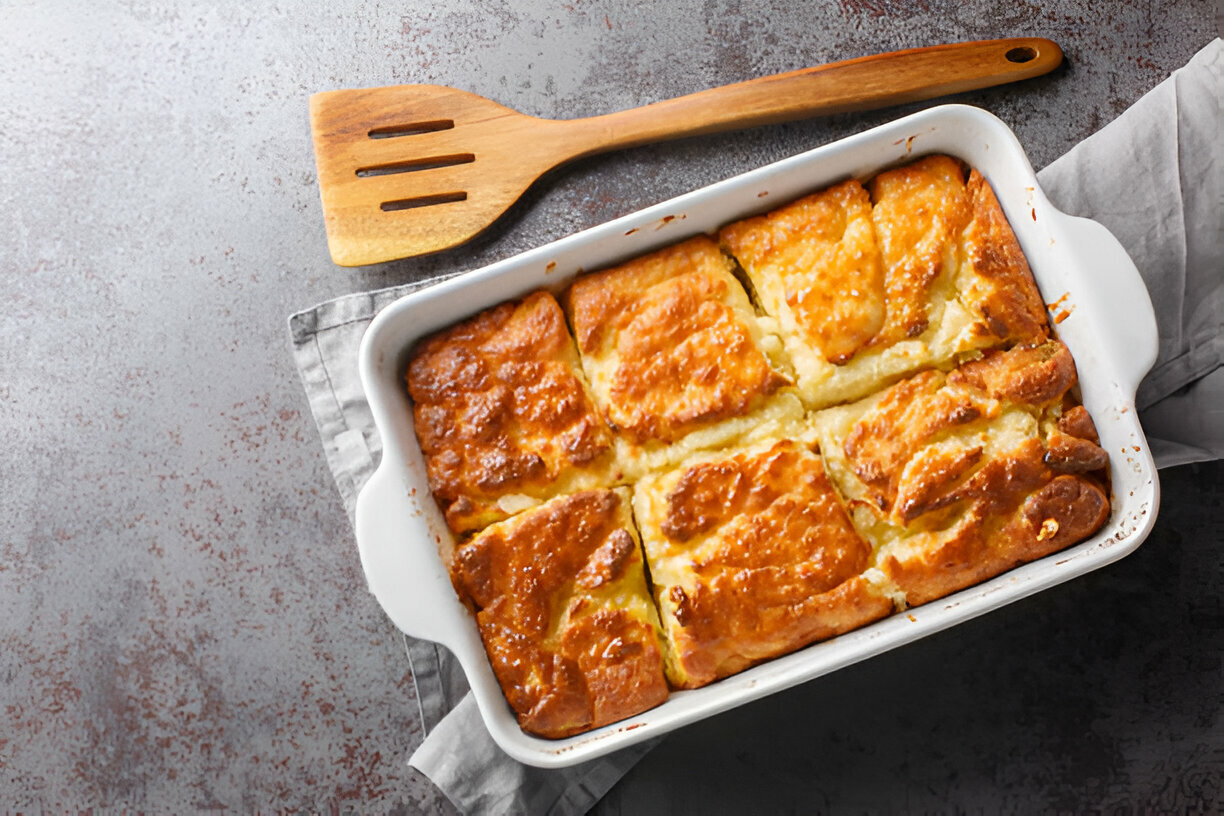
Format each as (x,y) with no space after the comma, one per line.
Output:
(412,169)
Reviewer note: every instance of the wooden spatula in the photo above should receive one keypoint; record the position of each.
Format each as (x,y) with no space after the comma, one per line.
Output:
(412,169)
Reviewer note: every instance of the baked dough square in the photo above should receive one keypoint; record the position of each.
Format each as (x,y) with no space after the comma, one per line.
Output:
(751,556)
(676,356)
(957,477)
(503,414)
(561,601)
(870,283)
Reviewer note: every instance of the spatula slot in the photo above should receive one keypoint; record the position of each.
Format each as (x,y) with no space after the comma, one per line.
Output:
(421,201)
(394,131)
(413,165)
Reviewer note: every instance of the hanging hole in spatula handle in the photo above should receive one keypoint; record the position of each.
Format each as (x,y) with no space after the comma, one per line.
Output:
(1021,54)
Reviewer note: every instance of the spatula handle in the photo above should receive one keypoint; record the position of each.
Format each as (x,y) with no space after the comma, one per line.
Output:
(857,84)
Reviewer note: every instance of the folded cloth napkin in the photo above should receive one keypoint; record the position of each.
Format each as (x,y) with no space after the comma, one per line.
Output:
(1154,177)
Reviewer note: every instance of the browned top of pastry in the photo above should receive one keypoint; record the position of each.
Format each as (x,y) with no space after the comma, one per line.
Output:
(1014,510)
(668,342)
(893,447)
(974,487)
(561,601)
(500,407)
(820,251)
(872,283)
(941,237)
(919,212)
(1024,375)
(1003,288)
(756,558)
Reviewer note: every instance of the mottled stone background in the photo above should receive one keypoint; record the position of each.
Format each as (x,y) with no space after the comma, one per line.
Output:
(183,620)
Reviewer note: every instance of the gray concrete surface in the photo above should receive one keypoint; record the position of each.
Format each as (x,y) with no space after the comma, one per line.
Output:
(183,621)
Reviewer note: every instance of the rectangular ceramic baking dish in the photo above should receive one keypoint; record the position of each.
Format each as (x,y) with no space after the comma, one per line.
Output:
(1101,310)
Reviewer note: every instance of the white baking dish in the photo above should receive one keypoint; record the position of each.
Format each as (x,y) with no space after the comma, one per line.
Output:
(1106,320)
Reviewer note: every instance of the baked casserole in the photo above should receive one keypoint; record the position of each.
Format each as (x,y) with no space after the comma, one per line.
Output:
(723,450)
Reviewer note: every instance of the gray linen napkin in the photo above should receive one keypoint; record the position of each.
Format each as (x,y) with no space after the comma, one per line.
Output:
(1154,177)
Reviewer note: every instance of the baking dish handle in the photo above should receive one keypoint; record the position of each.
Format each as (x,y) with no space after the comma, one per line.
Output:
(399,554)
(1126,318)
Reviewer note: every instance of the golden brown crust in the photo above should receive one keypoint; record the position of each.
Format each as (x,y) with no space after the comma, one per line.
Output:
(1073,445)
(1076,421)
(967,486)
(868,289)
(500,409)
(1004,292)
(893,432)
(753,556)
(1028,375)
(986,541)
(550,588)
(669,332)
(893,449)
(603,304)
(919,211)
(820,252)
(1071,454)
